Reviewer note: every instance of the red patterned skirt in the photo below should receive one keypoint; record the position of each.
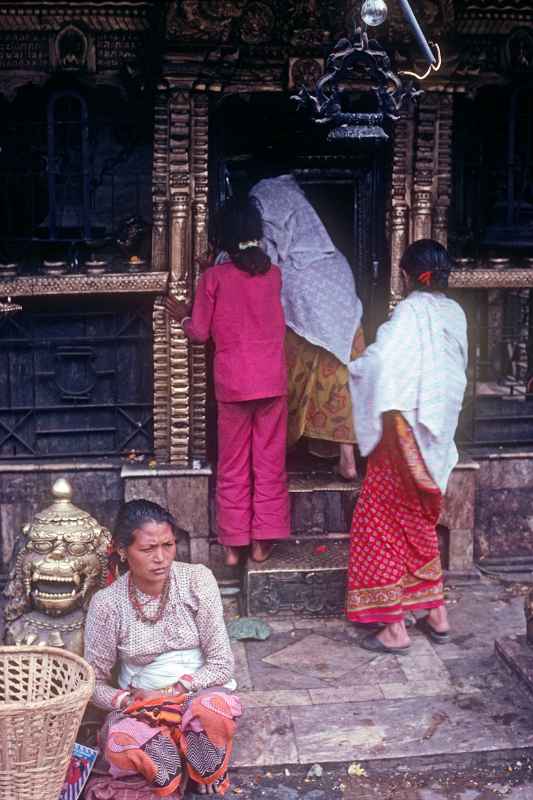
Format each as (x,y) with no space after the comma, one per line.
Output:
(394,555)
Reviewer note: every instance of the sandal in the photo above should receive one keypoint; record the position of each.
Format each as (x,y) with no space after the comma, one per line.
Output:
(438,637)
(375,645)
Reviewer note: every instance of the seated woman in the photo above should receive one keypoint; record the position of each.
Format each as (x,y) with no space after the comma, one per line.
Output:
(160,626)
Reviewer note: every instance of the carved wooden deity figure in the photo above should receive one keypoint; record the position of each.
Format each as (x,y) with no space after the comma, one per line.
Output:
(61,563)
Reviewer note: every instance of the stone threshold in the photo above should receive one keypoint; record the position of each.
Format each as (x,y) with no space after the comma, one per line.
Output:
(59,466)
(498,456)
(132,471)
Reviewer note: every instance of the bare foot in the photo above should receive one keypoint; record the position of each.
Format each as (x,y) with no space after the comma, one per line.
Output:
(202,789)
(231,556)
(394,635)
(346,466)
(211,789)
(261,550)
(438,619)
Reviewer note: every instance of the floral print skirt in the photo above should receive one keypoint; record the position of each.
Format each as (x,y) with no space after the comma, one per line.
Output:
(320,405)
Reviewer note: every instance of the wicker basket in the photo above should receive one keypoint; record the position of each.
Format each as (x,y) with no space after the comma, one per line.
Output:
(43,694)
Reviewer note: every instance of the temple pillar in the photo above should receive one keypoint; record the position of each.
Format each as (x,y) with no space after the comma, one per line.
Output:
(178,351)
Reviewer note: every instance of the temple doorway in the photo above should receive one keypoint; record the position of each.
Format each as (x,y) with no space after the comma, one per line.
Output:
(256,136)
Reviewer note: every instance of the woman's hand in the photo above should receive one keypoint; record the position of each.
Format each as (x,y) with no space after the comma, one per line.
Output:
(177,309)
(143,694)
(148,694)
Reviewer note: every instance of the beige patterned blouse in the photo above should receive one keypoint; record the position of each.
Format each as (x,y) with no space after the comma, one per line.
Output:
(193,618)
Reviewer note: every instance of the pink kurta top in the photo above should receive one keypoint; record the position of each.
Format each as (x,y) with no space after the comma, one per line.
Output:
(244,317)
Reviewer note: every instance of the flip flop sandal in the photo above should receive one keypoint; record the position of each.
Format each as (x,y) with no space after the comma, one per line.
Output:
(436,636)
(375,645)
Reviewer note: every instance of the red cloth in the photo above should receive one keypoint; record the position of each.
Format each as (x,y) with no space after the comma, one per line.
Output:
(252,493)
(244,317)
(394,555)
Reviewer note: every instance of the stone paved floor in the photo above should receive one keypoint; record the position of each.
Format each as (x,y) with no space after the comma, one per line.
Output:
(509,781)
(313,696)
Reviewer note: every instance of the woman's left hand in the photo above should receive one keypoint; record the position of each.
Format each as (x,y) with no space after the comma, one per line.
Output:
(144,694)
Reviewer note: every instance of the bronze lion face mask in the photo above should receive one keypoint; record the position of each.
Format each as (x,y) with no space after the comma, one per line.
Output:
(62,562)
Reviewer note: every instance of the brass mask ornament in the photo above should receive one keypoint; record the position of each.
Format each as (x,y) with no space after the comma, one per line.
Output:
(61,564)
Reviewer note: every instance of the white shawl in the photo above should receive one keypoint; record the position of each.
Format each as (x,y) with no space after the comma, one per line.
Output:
(417,366)
(319,296)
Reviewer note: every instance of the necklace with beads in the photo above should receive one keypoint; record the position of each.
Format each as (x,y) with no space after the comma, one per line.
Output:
(137,605)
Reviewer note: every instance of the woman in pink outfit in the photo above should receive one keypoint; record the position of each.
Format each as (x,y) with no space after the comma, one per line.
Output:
(238,306)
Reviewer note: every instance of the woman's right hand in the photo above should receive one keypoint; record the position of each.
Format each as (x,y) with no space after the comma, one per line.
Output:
(177,309)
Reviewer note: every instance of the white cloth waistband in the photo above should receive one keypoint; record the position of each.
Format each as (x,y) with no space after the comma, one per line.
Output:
(164,670)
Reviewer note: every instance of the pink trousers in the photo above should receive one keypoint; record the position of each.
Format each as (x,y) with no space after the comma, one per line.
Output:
(252,493)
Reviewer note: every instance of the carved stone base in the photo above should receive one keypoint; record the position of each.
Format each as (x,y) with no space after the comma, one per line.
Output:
(41,629)
(458,516)
(517,655)
(306,578)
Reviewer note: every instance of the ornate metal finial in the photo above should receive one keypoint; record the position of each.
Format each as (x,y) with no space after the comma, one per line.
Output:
(62,490)
(364,58)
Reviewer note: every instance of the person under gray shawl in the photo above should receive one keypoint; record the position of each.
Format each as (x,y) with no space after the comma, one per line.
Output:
(323,315)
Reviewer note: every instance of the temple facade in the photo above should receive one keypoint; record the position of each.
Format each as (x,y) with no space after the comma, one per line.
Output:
(125,124)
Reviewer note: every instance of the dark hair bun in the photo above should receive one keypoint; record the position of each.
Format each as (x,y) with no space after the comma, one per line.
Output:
(428,263)
(239,223)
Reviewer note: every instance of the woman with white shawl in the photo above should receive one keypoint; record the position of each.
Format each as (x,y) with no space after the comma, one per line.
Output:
(323,315)
(411,384)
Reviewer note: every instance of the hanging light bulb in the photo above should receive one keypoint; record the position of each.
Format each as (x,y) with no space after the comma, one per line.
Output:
(374,12)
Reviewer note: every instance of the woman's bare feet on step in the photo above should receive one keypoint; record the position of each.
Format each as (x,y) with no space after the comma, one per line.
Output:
(231,556)
(346,467)
(260,550)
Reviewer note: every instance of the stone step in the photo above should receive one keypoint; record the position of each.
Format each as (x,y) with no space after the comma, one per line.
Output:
(320,482)
(320,503)
(306,574)
(303,577)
